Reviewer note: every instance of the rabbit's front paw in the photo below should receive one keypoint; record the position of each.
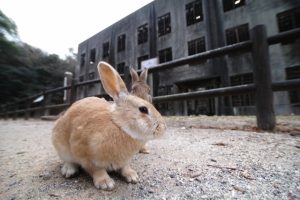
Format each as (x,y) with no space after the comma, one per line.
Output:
(130,175)
(69,169)
(145,149)
(104,183)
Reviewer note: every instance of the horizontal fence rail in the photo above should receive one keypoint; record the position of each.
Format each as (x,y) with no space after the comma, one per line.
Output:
(206,93)
(284,36)
(277,86)
(58,89)
(12,109)
(232,90)
(242,46)
(286,85)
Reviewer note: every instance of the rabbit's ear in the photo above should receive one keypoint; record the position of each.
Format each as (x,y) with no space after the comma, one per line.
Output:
(134,75)
(111,81)
(144,75)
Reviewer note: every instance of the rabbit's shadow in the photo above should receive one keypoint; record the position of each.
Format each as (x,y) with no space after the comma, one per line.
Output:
(53,173)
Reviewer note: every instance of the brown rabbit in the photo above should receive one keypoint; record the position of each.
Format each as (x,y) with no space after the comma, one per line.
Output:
(101,136)
(140,88)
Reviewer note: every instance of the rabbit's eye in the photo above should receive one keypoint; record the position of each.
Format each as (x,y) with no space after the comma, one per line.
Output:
(143,109)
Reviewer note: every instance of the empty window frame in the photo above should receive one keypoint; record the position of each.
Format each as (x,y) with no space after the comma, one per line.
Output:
(237,34)
(193,12)
(82,60)
(121,42)
(142,34)
(141,59)
(81,78)
(289,19)
(121,67)
(92,56)
(293,73)
(165,90)
(105,48)
(246,99)
(232,4)
(196,46)
(91,75)
(165,55)
(164,24)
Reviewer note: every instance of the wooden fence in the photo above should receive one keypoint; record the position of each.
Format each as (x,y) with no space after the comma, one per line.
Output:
(263,87)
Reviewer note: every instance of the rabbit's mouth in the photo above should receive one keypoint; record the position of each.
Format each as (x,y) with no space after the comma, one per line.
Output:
(159,130)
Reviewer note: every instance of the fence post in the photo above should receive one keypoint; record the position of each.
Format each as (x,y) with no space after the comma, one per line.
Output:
(73,91)
(27,107)
(47,99)
(68,79)
(265,116)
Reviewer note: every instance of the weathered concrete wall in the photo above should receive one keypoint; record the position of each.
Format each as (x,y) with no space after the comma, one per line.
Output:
(212,28)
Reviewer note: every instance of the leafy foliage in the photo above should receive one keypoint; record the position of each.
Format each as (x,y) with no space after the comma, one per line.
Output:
(7,25)
(26,70)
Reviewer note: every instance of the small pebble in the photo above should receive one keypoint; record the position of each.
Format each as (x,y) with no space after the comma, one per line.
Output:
(151,191)
(172,175)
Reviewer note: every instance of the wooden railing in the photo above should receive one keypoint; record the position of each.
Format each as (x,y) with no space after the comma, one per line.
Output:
(262,87)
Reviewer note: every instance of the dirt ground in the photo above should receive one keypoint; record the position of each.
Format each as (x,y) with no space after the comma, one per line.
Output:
(199,158)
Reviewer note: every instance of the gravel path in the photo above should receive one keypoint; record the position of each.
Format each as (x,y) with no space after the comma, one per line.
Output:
(199,158)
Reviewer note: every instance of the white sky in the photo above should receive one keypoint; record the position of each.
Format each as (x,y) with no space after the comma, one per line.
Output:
(57,25)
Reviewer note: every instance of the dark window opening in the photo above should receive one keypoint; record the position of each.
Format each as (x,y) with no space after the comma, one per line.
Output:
(92,56)
(237,34)
(165,55)
(82,60)
(121,42)
(165,90)
(121,67)
(289,19)
(232,4)
(142,34)
(91,75)
(193,12)
(196,46)
(246,99)
(164,24)
(141,59)
(81,78)
(105,48)
(293,73)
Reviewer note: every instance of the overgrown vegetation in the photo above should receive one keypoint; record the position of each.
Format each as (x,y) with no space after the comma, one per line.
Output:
(26,70)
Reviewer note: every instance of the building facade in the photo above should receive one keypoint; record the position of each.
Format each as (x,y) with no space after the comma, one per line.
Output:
(173,29)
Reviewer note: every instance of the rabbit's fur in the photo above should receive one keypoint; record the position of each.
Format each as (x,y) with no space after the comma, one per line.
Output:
(140,88)
(101,136)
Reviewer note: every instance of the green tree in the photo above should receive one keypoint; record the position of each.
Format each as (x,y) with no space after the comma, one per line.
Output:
(26,70)
(8,48)
(7,25)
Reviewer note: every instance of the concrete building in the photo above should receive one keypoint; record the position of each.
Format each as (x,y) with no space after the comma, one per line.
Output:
(172,29)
